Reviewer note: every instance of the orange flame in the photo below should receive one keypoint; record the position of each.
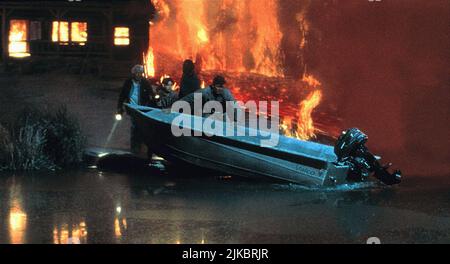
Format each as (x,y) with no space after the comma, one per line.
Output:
(235,37)
(230,35)
(149,63)
(202,35)
(164,76)
(311,80)
(305,128)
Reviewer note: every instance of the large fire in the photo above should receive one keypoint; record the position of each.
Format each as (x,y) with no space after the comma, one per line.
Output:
(242,41)
(18,45)
(149,63)
(229,35)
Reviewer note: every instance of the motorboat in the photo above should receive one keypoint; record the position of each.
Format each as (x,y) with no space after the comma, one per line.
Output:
(291,159)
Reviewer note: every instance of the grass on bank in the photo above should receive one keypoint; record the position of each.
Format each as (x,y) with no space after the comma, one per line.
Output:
(41,139)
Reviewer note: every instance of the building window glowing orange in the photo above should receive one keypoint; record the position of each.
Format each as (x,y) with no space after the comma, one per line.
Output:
(79,32)
(121,36)
(64,32)
(18,39)
(60,31)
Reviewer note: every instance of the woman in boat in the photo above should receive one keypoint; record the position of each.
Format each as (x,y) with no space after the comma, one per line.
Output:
(189,81)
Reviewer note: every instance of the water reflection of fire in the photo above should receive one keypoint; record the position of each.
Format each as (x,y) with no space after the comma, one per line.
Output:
(17,216)
(17,225)
(241,40)
(67,233)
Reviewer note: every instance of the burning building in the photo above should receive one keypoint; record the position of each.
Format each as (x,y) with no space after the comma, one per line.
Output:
(261,56)
(99,33)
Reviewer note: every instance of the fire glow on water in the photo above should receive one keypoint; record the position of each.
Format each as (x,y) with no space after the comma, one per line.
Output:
(235,38)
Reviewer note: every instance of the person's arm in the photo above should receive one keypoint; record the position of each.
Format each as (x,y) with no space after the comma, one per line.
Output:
(227,95)
(122,97)
(237,110)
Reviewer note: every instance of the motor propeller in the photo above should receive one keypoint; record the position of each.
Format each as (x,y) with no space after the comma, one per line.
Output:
(350,150)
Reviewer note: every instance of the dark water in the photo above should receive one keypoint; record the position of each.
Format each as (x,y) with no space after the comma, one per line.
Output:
(89,206)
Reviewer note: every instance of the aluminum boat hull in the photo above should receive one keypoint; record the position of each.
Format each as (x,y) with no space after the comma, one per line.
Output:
(292,160)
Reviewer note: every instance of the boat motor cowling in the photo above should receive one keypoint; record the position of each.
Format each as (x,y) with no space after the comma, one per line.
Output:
(350,150)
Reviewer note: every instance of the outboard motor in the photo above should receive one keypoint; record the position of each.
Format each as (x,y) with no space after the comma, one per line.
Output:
(350,150)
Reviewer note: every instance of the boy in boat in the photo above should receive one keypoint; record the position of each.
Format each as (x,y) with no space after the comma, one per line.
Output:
(162,95)
(214,92)
(166,93)
(138,91)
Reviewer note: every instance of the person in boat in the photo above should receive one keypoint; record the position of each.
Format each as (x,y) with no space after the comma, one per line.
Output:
(217,91)
(136,90)
(154,97)
(166,93)
(214,92)
(189,81)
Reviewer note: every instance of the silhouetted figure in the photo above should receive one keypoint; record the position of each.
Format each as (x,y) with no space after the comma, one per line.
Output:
(217,92)
(189,81)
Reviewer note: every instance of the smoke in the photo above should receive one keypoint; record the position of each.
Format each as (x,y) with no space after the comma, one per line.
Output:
(386,67)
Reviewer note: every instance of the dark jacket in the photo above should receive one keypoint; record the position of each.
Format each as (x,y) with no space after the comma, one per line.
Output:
(166,98)
(145,94)
(189,84)
(208,94)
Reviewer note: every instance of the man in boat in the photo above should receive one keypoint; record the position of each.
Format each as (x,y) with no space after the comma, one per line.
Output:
(217,91)
(136,90)
(214,92)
